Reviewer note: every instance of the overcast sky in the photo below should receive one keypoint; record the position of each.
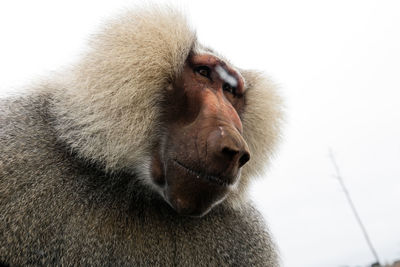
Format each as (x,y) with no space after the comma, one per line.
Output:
(338,67)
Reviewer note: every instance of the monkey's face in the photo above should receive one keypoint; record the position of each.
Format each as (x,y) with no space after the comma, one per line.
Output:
(199,159)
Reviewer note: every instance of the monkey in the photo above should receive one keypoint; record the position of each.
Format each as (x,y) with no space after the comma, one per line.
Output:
(139,154)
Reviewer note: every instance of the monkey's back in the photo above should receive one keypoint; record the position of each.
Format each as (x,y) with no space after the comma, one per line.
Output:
(57,209)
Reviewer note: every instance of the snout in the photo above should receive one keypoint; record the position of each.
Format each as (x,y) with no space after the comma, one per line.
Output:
(227,151)
(193,188)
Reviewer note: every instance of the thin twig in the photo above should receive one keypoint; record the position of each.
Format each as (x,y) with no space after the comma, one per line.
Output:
(353,208)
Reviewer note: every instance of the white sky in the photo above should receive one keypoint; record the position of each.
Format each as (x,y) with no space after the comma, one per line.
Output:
(338,66)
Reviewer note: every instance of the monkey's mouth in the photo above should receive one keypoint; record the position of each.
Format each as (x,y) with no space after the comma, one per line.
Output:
(191,191)
(212,178)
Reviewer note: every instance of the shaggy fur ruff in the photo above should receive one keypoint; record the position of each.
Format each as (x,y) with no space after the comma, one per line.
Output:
(108,105)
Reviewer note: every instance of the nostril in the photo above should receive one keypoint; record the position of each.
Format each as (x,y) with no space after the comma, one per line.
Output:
(244,159)
(229,152)
(233,155)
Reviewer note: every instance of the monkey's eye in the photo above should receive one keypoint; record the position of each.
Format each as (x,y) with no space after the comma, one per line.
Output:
(227,87)
(203,71)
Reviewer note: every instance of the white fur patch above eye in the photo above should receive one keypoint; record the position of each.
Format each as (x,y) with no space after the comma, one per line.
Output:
(224,75)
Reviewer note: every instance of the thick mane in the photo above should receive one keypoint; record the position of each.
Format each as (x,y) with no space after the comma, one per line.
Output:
(115,92)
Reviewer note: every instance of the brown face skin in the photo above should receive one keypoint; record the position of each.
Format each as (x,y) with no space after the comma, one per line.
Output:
(199,161)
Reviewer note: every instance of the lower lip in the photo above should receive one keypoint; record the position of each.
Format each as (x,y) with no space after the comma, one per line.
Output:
(212,179)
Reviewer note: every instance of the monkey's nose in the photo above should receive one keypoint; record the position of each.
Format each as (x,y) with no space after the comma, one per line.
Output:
(235,154)
(229,146)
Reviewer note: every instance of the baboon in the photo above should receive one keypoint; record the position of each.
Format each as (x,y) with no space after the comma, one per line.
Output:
(139,154)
